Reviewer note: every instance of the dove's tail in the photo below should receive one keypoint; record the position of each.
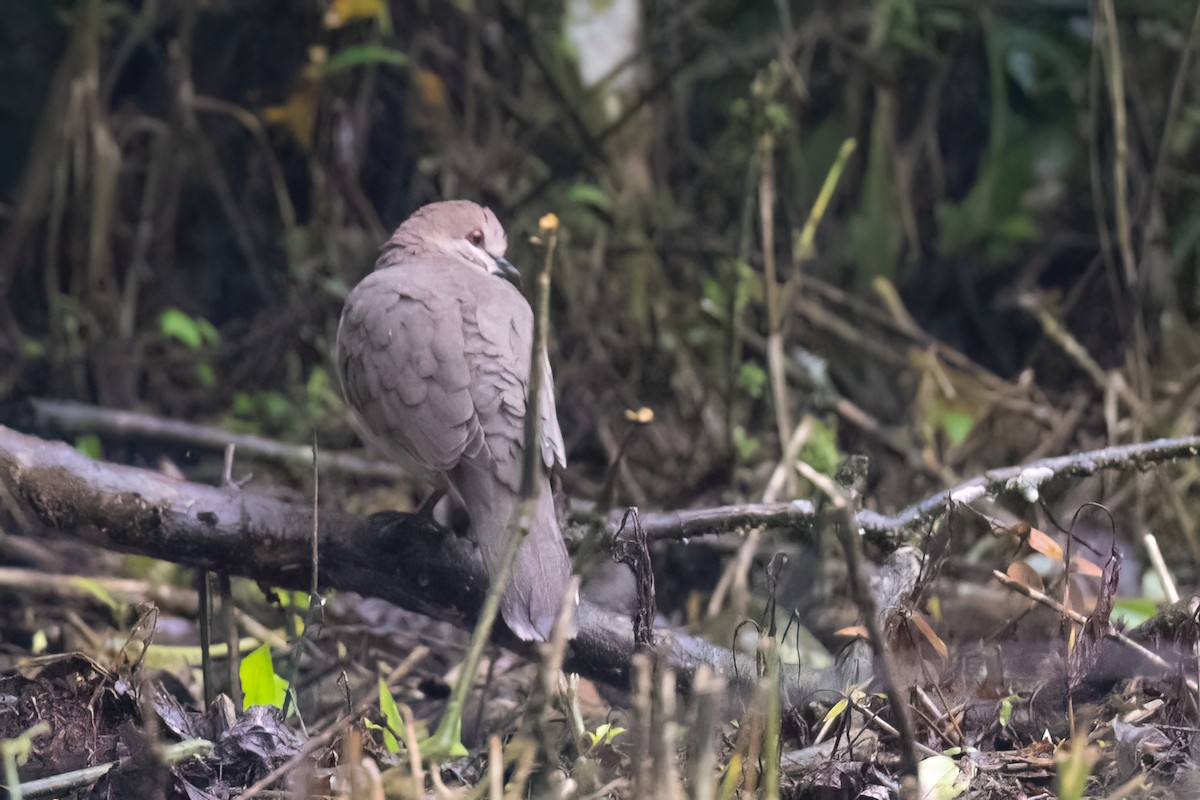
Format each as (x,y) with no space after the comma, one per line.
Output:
(537,587)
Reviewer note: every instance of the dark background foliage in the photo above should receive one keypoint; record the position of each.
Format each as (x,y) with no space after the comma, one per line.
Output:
(191,188)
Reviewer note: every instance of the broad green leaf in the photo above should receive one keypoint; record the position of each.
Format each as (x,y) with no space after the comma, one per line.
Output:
(260,685)
(1133,611)
(175,324)
(939,779)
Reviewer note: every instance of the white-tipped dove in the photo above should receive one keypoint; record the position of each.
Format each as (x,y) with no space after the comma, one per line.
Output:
(433,351)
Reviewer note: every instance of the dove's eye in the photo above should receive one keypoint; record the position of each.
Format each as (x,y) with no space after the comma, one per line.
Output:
(475,237)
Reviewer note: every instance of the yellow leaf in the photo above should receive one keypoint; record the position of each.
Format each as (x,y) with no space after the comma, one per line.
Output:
(430,89)
(343,11)
(298,114)
(935,608)
(838,709)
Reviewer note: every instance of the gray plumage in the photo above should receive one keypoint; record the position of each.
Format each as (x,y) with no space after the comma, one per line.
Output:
(433,351)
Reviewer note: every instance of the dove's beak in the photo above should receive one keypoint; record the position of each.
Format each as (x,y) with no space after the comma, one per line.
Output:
(508,271)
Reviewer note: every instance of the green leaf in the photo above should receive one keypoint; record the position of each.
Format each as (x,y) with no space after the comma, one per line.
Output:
(276,407)
(745,444)
(321,396)
(1074,768)
(587,194)
(363,54)
(391,713)
(598,734)
(956,425)
(750,287)
(876,233)
(18,749)
(938,776)
(89,445)
(243,404)
(1007,704)
(836,711)
(206,375)
(260,685)
(604,733)
(208,332)
(777,116)
(93,587)
(175,324)
(714,294)
(992,214)
(753,378)
(820,451)
(1133,611)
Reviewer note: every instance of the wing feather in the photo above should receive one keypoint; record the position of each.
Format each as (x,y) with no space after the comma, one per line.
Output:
(435,361)
(403,366)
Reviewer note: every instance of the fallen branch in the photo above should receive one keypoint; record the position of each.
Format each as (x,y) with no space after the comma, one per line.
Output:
(67,418)
(398,557)
(1026,481)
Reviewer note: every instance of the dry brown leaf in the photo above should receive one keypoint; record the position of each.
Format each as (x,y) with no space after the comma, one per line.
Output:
(1045,545)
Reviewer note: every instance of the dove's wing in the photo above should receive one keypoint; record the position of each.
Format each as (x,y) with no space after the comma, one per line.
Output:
(404,369)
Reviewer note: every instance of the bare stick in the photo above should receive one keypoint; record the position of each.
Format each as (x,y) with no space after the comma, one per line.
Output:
(1160,567)
(1080,619)
(1025,481)
(67,417)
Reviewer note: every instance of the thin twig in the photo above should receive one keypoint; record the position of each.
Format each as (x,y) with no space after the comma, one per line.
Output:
(764,86)
(1080,619)
(884,667)
(530,466)
(1160,567)
(1116,87)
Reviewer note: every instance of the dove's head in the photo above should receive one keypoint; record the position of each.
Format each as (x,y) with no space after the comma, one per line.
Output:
(460,229)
